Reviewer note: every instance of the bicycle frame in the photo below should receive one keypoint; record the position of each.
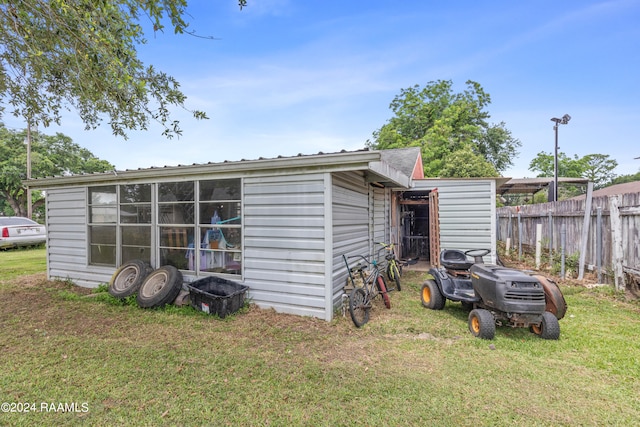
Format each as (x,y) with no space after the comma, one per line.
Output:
(368,280)
(361,297)
(393,268)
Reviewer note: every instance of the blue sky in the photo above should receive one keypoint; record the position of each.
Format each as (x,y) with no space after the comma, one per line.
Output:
(285,77)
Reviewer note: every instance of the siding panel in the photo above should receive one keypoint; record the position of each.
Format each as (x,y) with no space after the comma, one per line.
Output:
(351,225)
(67,239)
(284,248)
(466,211)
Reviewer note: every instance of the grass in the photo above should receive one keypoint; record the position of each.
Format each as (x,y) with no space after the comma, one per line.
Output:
(407,366)
(22,261)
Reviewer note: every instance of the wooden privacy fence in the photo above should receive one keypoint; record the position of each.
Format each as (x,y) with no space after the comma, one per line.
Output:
(611,231)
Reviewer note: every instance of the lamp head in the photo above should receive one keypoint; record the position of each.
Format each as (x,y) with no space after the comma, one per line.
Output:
(563,121)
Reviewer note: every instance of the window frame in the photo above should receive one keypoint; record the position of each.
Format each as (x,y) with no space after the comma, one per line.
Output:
(232,253)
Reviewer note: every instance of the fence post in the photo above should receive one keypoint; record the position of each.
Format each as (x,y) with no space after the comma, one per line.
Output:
(585,230)
(538,244)
(550,235)
(599,243)
(509,230)
(616,243)
(563,238)
(519,237)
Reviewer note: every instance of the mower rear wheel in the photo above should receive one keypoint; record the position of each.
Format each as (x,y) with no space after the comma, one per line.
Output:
(549,328)
(431,296)
(482,324)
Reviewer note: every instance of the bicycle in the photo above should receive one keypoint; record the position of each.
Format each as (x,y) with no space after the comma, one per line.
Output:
(361,297)
(394,266)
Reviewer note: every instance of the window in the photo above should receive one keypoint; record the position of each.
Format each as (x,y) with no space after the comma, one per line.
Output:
(103,215)
(219,226)
(196,225)
(135,222)
(176,222)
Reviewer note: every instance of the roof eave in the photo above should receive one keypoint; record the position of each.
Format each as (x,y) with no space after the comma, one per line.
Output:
(349,161)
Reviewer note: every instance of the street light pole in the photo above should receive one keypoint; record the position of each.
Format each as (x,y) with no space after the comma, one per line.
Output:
(563,121)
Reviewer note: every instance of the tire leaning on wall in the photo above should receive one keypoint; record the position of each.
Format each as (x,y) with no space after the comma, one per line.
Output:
(128,278)
(161,287)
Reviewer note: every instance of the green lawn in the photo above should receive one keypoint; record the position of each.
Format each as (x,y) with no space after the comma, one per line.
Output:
(116,364)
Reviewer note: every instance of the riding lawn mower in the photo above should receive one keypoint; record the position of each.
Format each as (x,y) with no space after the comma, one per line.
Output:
(495,295)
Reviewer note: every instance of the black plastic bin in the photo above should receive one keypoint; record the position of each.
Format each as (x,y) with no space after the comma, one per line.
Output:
(215,295)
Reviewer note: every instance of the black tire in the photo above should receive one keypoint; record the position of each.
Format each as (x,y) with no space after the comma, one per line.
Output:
(431,296)
(549,328)
(128,278)
(359,307)
(160,287)
(394,274)
(482,324)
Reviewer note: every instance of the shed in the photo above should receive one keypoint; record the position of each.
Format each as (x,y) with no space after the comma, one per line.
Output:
(446,213)
(279,226)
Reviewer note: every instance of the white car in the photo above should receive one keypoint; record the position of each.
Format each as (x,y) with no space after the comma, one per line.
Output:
(18,231)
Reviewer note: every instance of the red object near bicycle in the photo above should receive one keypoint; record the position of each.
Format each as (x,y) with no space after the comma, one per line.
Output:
(383,290)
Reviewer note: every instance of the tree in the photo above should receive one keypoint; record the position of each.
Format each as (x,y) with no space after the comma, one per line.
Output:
(442,123)
(51,156)
(597,168)
(621,179)
(81,54)
(464,163)
(543,164)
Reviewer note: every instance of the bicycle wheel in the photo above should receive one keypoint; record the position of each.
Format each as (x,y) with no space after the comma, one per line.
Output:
(383,290)
(359,307)
(394,275)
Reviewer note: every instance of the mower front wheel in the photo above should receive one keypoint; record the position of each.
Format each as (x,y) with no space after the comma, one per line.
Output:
(549,328)
(482,324)
(431,296)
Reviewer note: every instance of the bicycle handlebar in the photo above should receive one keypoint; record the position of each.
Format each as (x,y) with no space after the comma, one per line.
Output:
(374,262)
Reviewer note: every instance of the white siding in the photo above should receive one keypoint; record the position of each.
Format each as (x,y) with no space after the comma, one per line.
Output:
(67,239)
(381,218)
(467,212)
(284,242)
(351,225)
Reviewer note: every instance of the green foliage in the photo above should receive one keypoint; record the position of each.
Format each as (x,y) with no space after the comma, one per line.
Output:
(597,168)
(104,287)
(50,155)
(625,178)
(571,263)
(57,54)
(464,163)
(451,129)
(568,167)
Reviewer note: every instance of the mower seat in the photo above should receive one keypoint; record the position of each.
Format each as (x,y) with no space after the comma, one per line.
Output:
(453,259)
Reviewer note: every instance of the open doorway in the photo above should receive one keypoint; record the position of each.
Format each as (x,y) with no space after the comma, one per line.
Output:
(414,224)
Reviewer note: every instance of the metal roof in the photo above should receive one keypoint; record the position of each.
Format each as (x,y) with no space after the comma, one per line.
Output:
(383,169)
(533,185)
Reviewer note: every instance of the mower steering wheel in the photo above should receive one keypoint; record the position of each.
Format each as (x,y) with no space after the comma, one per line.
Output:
(477,254)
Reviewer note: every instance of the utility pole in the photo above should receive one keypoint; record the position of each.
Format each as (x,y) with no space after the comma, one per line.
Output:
(29,208)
